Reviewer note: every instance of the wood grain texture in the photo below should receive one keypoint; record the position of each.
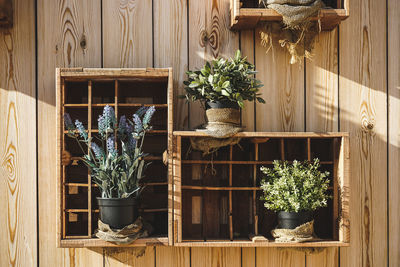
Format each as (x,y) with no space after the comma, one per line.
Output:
(283,90)
(363,110)
(69,37)
(171,257)
(274,257)
(171,49)
(18,246)
(221,257)
(129,257)
(394,126)
(209,38)
(247,49)
(127,38)
(322,108)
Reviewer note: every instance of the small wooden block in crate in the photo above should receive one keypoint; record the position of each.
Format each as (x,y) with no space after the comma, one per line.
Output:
(83,93)
(246,14)
(217,198)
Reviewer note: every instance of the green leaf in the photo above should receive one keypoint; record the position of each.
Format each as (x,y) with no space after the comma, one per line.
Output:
(259,99)
(194,84)
(226,84)
(225,93)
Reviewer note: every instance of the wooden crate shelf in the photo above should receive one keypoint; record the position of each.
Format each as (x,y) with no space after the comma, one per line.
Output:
(213,197)
(84,93)
(245,14)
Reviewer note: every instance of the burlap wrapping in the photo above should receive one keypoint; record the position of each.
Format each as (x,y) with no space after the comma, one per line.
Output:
(223,123)
(299,32)
(126,235)
(302,233)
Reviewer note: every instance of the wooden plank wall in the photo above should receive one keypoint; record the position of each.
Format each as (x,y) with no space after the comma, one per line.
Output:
(352,84)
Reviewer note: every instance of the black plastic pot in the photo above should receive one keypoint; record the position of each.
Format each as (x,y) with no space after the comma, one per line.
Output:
(290,220)
(221,104)
(117,212)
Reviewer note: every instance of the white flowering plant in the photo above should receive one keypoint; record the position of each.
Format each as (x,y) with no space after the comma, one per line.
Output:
(117,174)
(295,187)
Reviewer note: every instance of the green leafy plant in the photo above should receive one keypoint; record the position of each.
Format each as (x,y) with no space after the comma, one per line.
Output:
(294,187)
(117,174)
(224,80)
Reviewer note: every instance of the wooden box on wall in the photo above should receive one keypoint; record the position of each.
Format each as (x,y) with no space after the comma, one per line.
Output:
(217,198)
(83,93)
(246,14)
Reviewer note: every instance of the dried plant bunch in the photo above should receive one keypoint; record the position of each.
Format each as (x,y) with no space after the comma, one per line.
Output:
(117,174)
(295,187)
(225,81)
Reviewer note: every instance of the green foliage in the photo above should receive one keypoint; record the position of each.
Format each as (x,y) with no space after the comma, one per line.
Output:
(294,187)
(117,174)
(223,80)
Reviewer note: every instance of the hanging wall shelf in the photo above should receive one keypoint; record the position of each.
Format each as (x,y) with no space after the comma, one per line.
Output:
(245,14)
(216,199)
(83,93)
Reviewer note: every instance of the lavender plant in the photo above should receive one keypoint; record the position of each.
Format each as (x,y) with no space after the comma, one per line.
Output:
(118,175)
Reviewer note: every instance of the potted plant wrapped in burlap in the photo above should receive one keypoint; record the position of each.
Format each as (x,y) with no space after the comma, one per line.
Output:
(294,191)
(116,163)
(222,86)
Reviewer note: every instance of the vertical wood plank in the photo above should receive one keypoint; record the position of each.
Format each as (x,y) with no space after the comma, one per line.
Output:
(363,111)
(69,35)
(172,256)
(171,50)
(322,109)
(222,257)
(209,37)
(279,257)
(283,92)
(127,33)
(116,257)
(394,126)
(18,140)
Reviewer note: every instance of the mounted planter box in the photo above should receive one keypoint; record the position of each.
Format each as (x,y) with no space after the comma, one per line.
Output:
(245,14)
(83,93)
(6,13)
(217,198)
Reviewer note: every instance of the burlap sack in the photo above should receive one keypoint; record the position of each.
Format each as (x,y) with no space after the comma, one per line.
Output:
(302,233)
(299,32)
(126,235)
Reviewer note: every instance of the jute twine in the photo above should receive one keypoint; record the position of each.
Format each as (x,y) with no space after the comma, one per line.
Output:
(126,235)
(299,32)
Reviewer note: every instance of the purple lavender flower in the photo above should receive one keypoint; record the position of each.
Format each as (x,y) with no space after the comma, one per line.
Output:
(142,110)
(81,130)
(107,121)
(138,123)
(131,144)
(148,115)
(111,145)
(98,151)
(68,122)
